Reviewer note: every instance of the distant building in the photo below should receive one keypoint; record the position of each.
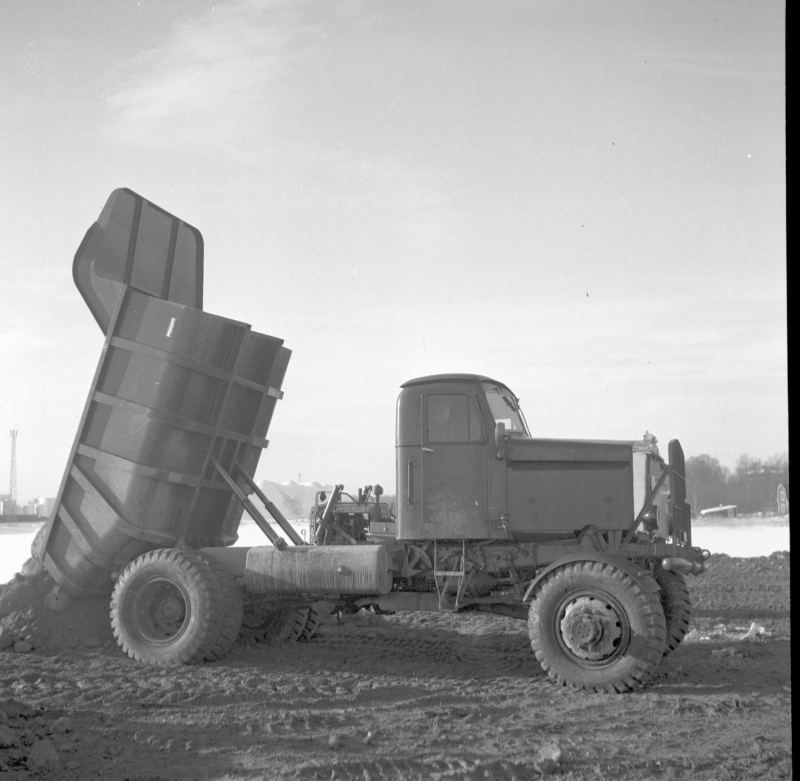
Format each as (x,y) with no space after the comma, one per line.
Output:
(723,511)
(782,500)
(38,507)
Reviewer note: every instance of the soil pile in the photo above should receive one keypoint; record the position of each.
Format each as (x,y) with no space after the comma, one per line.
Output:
(35,614)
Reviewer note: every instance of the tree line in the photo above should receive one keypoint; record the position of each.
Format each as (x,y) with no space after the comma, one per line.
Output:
(752,485)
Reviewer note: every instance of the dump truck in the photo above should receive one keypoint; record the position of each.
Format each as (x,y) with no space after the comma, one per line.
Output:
(588,541)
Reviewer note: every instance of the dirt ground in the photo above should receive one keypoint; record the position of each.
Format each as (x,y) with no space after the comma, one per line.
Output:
(403,696)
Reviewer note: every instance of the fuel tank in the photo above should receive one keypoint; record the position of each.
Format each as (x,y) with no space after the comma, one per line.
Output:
(311,569)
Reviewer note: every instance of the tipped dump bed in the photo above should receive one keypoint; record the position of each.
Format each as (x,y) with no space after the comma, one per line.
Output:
(176,389)
(134,242)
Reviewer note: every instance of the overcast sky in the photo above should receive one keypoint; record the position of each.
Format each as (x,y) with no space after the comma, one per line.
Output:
(585,200)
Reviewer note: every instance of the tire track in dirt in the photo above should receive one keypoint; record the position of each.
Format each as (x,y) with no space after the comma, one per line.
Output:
(407,769)
(435,653)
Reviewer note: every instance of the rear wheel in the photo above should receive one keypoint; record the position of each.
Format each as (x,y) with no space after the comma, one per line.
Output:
(170,607)
(676,604)
(592,626)
(284,625)
(37,546)
(294,622)
(232,616)
(312,624)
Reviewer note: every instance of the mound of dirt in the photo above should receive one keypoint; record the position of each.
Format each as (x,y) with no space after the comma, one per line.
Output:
(36,614)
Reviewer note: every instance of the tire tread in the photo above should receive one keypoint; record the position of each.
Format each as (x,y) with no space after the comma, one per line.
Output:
(312,624)
(209,605)
(232,609)
(648,605)
(677,606)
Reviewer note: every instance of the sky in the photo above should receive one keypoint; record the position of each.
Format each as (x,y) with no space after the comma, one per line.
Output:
(585,201)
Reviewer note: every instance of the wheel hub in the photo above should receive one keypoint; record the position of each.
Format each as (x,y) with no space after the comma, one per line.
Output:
(171,610)
(161,611)
(591,628)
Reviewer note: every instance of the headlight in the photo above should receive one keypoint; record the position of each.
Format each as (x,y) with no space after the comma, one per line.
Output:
(649,518)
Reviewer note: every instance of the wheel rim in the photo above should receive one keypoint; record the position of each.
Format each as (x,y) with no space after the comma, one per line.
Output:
(592,628)
(161,611)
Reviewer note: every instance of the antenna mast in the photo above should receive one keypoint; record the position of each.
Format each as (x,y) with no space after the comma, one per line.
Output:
(12,481)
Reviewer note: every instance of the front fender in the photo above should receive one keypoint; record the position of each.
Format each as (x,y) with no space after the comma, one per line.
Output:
(640,575)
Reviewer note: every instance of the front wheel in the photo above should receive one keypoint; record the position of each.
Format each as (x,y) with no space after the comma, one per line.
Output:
(172,607)
(592,626)
(676,604)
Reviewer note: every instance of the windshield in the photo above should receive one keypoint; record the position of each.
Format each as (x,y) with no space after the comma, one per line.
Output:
(505,409)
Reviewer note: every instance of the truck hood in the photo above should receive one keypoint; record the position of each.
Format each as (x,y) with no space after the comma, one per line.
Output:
(568,450)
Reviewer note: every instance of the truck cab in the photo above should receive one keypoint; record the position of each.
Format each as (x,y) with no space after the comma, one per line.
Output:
(468,468)
(449,482)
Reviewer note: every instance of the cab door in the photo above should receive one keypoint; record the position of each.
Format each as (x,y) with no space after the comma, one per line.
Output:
(454,483)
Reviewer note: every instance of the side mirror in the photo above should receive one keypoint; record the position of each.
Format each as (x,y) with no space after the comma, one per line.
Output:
(500,438)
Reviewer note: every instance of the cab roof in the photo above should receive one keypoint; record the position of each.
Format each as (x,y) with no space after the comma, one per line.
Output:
(433,378)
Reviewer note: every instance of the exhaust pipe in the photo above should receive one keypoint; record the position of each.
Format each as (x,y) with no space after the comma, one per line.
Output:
(674,564)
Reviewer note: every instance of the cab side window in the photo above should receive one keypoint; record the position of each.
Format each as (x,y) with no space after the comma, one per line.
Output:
(453,418)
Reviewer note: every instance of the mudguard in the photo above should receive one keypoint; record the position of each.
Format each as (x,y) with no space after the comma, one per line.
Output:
(642,577)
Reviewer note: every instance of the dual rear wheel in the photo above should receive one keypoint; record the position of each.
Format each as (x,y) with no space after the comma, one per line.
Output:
(287,625)
(174,606)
